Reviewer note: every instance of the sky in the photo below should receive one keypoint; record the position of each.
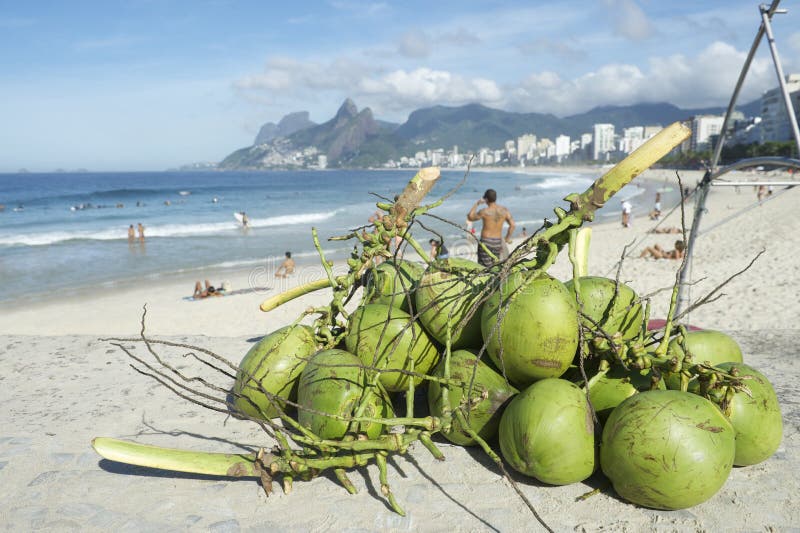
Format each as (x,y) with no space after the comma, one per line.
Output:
(154,84)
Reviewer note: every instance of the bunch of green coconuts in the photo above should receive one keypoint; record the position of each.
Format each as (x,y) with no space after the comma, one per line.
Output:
(563,377)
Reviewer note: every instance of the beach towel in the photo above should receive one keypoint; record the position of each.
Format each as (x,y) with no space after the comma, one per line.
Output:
(494,245)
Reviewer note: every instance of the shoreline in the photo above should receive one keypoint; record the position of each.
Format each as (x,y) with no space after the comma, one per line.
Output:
(116,308)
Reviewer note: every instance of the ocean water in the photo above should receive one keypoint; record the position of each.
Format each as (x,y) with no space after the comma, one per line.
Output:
(65,230)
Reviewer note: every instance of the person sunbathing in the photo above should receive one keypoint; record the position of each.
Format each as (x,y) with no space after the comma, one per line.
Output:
(657,252)
(672,229)
(209,290)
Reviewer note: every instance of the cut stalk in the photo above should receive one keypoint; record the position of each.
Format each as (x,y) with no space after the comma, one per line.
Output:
(279,299)
(213,464)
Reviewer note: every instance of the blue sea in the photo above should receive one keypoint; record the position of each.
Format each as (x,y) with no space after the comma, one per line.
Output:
(69,230)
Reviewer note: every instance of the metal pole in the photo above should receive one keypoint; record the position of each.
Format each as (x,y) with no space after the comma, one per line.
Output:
(705,184)
(699,208)
(765,23)
(745,68)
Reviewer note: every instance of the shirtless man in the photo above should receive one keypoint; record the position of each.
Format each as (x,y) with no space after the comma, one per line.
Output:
(131,233)
(286,268)
(493,216)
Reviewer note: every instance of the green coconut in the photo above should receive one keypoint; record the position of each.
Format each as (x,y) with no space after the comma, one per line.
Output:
(533,319)
(333,383)
(547,432)
(704,346)
(613,307)
(272,367)
(386,337)
(609,388)
(755,415)
(449,289)
(667,449)
(481,408)
(393,283)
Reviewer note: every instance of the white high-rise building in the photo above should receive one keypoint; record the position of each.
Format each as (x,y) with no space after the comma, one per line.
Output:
(775,124)
(632,138)
(483,154)
(650,131)
(562,146)
(603,135)
(525,145)
(703,128)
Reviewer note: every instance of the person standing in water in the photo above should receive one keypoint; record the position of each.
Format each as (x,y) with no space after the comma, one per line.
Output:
(131,233)
(141,232)
(493,216)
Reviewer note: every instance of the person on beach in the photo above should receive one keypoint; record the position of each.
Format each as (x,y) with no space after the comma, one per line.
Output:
(131,233)
(210,290)
(672,229)
(286,268)
(626,213)
(141,232)
(524,233)
(762,192)
(245,220)
(657,252)
(655,214)
(493,216)
(438,250)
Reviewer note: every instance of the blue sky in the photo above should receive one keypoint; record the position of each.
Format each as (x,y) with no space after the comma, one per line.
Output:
(151,84)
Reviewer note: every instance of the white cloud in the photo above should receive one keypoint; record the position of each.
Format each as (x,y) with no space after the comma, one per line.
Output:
(293,76)
(423,86)
(630,20)
(705,80)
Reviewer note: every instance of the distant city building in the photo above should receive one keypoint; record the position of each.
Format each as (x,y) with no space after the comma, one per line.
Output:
(562,146)
(775,124)
(525,145)
(632,138)
(651,131)
(703,128)
(603,136)
(322,161)
(483,154)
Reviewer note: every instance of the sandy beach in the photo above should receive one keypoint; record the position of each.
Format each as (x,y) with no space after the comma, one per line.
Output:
(63,386)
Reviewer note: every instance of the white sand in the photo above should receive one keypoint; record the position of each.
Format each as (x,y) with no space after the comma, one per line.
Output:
(62,387)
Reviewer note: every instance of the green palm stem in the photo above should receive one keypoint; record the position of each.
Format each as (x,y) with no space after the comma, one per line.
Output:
(380,460)
(216,464)
(341,475)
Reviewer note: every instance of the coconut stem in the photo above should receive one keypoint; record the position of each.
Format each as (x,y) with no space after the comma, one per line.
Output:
(279,299)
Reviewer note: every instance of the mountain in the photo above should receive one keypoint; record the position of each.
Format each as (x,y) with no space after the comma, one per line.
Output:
(342,135)
(342,140)
(289,124)
(354,138)
(472,126)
